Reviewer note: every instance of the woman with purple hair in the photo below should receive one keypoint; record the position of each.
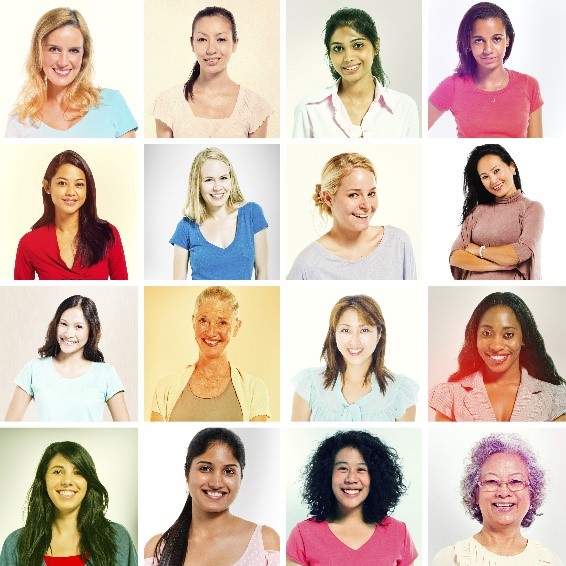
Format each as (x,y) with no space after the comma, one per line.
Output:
(503,487)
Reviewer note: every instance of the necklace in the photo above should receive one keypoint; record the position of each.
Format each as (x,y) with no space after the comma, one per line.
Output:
(499,86)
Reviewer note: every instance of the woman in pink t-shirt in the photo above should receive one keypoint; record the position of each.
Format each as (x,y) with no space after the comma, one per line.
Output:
(352,482)
(486,99)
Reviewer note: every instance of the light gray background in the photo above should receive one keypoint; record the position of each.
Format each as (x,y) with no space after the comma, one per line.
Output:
(399,29)
(167,169)
(539,45)
(448,522)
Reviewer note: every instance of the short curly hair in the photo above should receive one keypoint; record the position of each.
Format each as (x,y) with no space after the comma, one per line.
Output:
(386,476)
(497,444)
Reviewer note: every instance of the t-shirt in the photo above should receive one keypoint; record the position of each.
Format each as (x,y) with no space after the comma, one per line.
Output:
(330,404)
(250,112)
(314,544)
(233,262)
(392,259)
(38,252)
(489,114)
(61,399)
(111,119)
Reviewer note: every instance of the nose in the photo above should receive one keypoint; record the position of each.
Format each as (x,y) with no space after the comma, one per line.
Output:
(364,202)
(66,478)
(351,477)
(211,47)
(488,47)
(215,479)
(63,59)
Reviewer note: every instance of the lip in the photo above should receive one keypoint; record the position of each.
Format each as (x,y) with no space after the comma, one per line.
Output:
(214,494)
(211,343)
(355,351)
(363,216)
(350,69)
(498,187)
(66,493)
(504,507)
(68,342)
(354,492)
(212,61)
(497,359)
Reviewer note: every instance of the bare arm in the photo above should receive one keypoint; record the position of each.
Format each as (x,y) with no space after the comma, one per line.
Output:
(180,262)
(502,255)
(439,417)
(291,563)
(561,418)
(409,415)
(301,411)
(18,405)
(534,129)
(130,134)
(468,261)
(433,115)
(163,130)
(259,418)
(261,132)
(151,545)
(270,538)
(117,406)
(155,417)
(260,261)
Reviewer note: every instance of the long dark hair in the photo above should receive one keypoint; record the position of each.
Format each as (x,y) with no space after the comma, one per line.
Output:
(210,11)
(97,538)
(172,547)
(533,357)
(386,476)
(363,24)
(95,236)
(369,311)
(481,11)
(474,191)
(91,351)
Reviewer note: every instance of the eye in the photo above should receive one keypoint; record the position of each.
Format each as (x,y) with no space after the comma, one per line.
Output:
(355,195)
(358,45)
(75,50)
(365,330)
(515,483)
(230,471)
(372,194)
(344,330)
(362,470)
(61,183)
(204,468)
(337,48)
(62,324)
(224,178)
(201,39)
(491,483)
(53,49)
(478,40)
(485,333)
(509,335)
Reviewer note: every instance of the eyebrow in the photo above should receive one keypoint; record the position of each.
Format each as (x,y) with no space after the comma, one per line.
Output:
(348,463)
(504,328)
(351,41)
(223,465)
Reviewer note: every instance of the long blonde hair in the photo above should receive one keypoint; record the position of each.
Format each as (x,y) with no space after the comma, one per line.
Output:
(195,208)
(81,95)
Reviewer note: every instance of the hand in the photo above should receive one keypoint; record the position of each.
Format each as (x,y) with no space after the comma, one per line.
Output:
(473,249)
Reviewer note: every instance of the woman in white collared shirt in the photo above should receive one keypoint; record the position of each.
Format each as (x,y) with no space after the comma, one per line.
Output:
(358,104)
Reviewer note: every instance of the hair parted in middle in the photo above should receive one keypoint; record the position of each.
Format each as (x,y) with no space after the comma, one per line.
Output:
(97,537)
(361,22)
(90,312)
(369,311)
(386,476)
(171,549)
(474,191)
(195,208)
(499,443)
(467,65)
(335,169)
(533,356)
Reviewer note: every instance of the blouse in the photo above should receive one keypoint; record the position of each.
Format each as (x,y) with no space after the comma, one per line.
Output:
(331,405)
(467,399)
(514,220)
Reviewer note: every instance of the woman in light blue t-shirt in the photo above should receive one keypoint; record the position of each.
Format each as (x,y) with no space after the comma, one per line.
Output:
(354,385)
(221,235)
(70,381)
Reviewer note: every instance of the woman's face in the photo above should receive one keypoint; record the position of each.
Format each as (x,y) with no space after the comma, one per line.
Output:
(67,189)
(216,183)
(215,325)
(62,55)
(214,478)
(488,43)
(355,201)
(212,43)
(503,508)
(499,339)
(350,479)
(65,485)
(356,340)
(72,331)
(351,54)
(496,176)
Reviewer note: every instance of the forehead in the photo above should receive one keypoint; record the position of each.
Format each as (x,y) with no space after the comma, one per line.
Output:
(212,25)
(499,315)
(68,35)
(218,452)
(74,314)
(352,317)
(215,308)
(345,34)
(359,178)
(488,27)
(504,463)
(69,171)
(59,460)
(213,168)
(349,454)
(488,162)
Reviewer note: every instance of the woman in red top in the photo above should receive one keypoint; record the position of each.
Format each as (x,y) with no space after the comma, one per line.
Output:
(70,241)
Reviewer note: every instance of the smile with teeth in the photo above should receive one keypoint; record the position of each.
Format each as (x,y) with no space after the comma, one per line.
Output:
(351,68)
(66,493)
(69,342)
(211,342)
(354,351)
(351,491)
(62,72)
(498,358)
(214,494)
(498,186)
(362,216)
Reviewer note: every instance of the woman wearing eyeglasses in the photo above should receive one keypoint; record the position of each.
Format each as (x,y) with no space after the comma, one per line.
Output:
(503,488)
(354,385)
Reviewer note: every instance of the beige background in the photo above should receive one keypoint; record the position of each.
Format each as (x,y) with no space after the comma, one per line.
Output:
(26,314)
(170,344)
(116,29)
(398,169)
(115,171)
(115,454)
(169,57)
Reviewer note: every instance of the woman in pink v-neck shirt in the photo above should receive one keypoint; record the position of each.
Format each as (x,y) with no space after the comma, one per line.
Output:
(352,482)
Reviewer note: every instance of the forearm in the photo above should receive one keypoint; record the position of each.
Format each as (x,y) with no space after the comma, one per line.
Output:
(469,262)
(502,255)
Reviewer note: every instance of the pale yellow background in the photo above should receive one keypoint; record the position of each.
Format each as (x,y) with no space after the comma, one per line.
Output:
(115,171)
(169,58)
(26,314)
(170,344)
(116,29)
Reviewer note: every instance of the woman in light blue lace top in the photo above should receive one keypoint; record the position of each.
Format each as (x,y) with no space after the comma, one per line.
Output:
(354,385)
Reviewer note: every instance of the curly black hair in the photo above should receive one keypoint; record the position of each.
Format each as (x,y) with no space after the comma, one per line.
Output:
(386,476)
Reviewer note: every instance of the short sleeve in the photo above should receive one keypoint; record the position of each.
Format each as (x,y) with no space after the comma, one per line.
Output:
(272,558)
(116,259)
(113,382)
(258,219)
(123,119)
(406,395)
(23,266)
(445,557)
(163,108)
(409,264)
(301,127)
(535,97)
(13,127)
(181,236)
(259,402)
(303,383)
(409,551)
(441,399)
(531,231)
(258,108)
(24,379)
(296,547)
(442,97)
(299,268)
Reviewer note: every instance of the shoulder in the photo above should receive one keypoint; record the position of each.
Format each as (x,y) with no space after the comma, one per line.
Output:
(531,205)
(151,545)
(251,208)
(12,539)
(270,538)
(393,525)
(37,233)
(109,95)
(120,531)
(397,233)
(319,95)
(249,380)
(176,91)
(314,249)
(522,78)
(250,97)
(396,97)
(444,557)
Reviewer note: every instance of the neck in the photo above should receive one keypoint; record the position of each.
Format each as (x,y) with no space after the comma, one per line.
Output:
(213,366)
(56,93)
(511,376)
(356,375)
(349,516)
(218,213)
(361,88)
(212,81)
(67,223)
(348,238)
(504,538)
(66,523)
(209,522)
(74,359)
(490,77)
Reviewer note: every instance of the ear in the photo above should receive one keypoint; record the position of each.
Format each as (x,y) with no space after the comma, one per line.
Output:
(235,46)
(327,198)
(513,168)
(45,185)
(237,327)
(376,47)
